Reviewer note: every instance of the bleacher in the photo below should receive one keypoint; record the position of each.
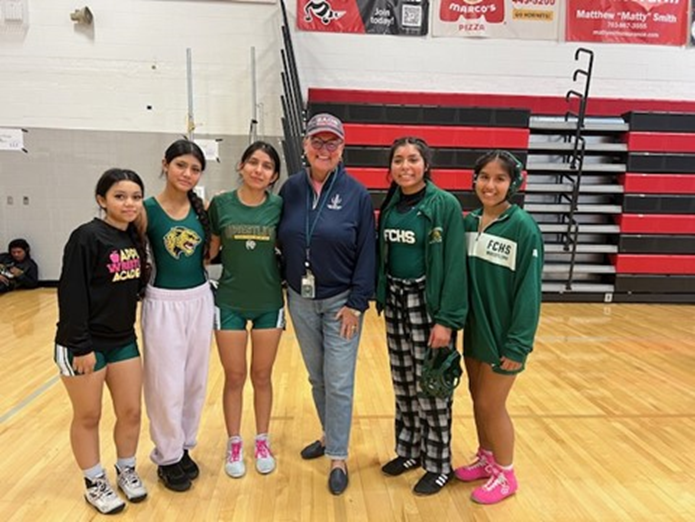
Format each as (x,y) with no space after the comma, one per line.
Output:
(635,206)
(656,256)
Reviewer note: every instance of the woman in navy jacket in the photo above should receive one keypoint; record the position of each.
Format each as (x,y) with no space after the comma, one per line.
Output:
(327,239)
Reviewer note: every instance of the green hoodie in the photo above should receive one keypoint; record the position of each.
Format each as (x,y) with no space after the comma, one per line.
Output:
(446,292)
(505,265)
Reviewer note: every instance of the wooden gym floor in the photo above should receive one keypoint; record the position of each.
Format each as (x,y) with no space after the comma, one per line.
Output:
(605,420)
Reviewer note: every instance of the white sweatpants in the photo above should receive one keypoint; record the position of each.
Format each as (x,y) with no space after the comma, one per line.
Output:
(177,332)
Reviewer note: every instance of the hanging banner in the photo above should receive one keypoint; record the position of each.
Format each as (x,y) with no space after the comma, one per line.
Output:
(661,22)
(400,17)
(521,19)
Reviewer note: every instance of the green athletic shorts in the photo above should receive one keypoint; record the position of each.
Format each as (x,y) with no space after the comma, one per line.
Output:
(233,320)
(496,368)
(63,357)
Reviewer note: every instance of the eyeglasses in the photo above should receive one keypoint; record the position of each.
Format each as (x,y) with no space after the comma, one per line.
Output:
(331,146)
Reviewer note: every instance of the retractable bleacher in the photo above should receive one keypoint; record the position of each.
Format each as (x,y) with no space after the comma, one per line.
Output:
(636,206)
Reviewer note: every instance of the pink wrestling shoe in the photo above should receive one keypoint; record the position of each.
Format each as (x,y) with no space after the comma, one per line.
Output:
(500,485)
(481,468)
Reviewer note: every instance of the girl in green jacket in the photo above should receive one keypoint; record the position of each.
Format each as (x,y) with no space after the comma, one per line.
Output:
(505,263)
(422,289)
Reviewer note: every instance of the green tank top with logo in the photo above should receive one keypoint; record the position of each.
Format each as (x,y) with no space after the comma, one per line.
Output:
(404,233)
(177,247)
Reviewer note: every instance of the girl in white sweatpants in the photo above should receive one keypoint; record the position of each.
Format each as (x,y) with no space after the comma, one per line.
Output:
(177,326)
(177,316)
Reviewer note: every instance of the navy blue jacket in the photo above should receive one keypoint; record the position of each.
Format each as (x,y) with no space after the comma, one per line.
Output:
(342,250)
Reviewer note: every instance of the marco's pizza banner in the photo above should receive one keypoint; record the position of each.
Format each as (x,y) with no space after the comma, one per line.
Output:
(662,22)
(401,17)
(525,19)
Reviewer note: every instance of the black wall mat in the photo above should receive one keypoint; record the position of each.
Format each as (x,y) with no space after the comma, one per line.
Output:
(660,121)
(355,156)
(647,162)
(655,284)
(424,115)
(657,204)
(654,298)
(652,244)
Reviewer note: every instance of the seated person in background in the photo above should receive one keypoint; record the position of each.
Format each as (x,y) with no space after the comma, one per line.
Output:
(17,268)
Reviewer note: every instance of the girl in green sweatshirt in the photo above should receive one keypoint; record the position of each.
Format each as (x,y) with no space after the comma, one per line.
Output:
(505,263)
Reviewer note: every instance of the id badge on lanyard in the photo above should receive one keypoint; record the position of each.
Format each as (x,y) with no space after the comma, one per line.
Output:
(308,285)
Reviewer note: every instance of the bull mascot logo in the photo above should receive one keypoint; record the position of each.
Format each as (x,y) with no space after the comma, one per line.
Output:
(322,10)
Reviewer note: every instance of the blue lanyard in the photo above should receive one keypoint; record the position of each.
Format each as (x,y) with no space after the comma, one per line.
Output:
(309,230)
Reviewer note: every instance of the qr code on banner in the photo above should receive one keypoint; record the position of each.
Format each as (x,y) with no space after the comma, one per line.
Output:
(412,16)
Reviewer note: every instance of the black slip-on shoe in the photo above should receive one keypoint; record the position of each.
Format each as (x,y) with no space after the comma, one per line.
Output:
(338,481)
(314,450)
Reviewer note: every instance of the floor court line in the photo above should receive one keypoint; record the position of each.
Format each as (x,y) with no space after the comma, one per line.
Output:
(28,400)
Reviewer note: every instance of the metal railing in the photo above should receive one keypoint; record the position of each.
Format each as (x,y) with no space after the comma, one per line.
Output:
(293,107)
(575,158)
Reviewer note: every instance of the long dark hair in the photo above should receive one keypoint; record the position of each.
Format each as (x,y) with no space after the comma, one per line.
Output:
(184,147)
(424,150)
(266,147)
(107,180)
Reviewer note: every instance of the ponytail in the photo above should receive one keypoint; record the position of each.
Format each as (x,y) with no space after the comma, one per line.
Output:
(199,208)
(389,196)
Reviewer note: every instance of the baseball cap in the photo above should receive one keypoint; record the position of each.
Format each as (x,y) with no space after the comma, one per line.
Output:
(324,122)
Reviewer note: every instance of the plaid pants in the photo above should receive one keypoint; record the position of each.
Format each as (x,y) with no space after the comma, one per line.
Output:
(423,424)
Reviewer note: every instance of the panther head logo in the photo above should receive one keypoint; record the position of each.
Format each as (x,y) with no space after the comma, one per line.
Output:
(436,235)
(181,240)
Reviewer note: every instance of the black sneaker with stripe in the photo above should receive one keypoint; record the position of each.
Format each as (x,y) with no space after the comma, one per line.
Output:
(431,483)
(398,466)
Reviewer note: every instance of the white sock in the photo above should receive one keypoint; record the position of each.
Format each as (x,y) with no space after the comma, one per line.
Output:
(128,462)
(94,472)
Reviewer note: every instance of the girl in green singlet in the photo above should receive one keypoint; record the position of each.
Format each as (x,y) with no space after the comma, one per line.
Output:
(177,315)
(244,223)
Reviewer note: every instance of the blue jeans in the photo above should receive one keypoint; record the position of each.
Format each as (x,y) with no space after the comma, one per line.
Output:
(330,360)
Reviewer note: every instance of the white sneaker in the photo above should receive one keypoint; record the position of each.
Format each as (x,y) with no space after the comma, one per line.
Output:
(234,466)
(130,484)
(101,495)
(265,462)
